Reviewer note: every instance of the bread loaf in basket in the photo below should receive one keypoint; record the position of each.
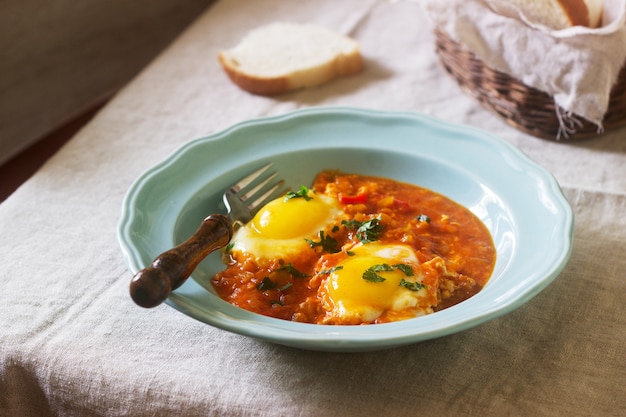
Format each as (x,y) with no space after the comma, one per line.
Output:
(524,106)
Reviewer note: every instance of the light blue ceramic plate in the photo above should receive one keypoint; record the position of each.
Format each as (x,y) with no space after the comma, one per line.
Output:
(519,201)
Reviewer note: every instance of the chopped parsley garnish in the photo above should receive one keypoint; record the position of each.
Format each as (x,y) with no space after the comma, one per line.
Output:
(303,192)
(367,231)
(408,271)
(410,285)
(423,218)
(292,271)
(266,284)
(277,302)
(327,243)
(330,271)
(229,247)
(371,274)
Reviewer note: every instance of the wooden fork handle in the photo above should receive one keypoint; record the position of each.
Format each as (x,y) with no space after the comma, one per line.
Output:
(152,285)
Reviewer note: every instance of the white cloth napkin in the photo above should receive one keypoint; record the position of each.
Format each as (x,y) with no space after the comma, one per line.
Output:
(577,66)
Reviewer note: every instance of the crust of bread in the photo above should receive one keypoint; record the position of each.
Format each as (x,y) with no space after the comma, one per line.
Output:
(340,64)
(583,12)
(558,14)
(595,11)
(251,83)
(576,11)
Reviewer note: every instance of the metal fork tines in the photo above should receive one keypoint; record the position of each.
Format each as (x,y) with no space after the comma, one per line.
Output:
(248,195)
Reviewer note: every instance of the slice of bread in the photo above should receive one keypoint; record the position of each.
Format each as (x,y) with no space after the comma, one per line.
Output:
(559,14)
(282,57)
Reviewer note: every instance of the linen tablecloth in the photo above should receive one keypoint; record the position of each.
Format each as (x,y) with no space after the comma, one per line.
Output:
(72,343)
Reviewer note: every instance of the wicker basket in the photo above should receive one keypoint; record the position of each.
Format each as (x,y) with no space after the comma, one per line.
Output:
(525,108)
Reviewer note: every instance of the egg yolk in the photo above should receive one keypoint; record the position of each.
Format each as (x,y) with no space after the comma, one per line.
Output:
(295,217)
(351,292)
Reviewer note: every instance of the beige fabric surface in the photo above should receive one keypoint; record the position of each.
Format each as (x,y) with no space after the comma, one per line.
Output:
(72,343)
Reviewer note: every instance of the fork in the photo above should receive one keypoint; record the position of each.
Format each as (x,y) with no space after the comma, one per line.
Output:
(152,285)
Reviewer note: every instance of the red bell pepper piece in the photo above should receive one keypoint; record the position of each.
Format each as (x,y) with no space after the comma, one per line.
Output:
(353,199)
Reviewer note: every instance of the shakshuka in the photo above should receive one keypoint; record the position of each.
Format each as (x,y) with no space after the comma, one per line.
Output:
(356,249)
